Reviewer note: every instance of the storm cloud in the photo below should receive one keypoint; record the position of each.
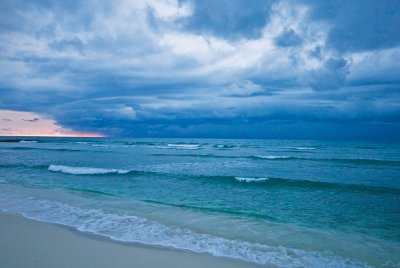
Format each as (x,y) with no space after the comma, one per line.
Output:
(264,69)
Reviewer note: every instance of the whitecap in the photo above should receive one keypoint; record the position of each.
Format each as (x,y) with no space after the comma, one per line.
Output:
(273,156)
(223,146)
(183,146)
(244,179)
(85,170)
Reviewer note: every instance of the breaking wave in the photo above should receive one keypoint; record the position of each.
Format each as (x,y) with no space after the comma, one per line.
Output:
(130,228)
(251,179)
(86,170)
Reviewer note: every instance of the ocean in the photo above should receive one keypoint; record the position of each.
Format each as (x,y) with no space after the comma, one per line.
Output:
(284,203)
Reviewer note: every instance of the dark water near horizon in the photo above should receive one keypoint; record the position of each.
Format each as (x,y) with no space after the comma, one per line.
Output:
(279,202)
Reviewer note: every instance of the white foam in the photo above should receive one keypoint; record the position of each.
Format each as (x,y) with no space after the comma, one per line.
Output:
(27,141)
(304,148)
(251,179)
(273,156)
(85,170)
(183,146)
(130,228)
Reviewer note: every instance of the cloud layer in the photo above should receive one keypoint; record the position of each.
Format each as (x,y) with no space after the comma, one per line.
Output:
(205,68)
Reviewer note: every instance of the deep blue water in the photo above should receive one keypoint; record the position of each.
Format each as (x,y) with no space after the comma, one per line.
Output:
(280,202)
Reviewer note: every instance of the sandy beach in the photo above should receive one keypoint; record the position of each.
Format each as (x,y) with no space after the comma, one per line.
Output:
(28,243)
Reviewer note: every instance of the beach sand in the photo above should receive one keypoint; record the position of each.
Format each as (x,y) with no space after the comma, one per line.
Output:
(28,243)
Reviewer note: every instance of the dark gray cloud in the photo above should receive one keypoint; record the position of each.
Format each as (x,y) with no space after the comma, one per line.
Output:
(360,24)
(31,120)
(331,75)
(6,129)
(229,19)
(206,68)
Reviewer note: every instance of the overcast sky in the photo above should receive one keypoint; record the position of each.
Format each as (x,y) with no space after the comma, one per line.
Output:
(204,68)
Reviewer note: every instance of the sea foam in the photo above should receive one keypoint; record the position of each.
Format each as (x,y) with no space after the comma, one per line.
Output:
(86,170)
(130,228)
(183,146)
(243,179)
(273,156)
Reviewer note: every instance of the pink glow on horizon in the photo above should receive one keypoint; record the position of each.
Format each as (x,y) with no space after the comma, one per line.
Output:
(15,123)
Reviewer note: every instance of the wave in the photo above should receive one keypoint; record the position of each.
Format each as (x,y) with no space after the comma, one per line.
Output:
(88,191)
(223,146)
(302,148)
(243,181)
(213,210)
(183,146)
(86,170)
(271,182)
(257,157)
(310,184)
(360,161)
(12,165)
(73,170)
(253,146)
(145,143)
(197,155)
(367,147)
(368,161)
(130,228)
(42,149)
(251,179)
(353,161)
(271,157)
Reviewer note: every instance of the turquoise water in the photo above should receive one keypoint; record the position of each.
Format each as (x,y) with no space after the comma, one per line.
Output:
(274,202)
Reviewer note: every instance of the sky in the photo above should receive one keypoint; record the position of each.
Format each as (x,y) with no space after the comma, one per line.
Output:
(306,69)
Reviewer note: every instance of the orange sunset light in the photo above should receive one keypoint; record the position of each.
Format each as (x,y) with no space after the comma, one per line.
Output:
(15,123)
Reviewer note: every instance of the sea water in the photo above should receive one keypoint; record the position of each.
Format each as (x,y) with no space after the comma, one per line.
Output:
(283,203)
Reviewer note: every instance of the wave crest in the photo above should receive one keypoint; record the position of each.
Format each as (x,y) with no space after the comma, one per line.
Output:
(272,157)
(130,228)
(86,170)
(183,146)
(244,179)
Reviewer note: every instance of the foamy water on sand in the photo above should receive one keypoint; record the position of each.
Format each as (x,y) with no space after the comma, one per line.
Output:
(283,203)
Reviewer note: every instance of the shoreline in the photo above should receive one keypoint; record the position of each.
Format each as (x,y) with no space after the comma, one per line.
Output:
(26,242)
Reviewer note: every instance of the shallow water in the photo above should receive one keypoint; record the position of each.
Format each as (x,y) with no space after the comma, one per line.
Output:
(281,202)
